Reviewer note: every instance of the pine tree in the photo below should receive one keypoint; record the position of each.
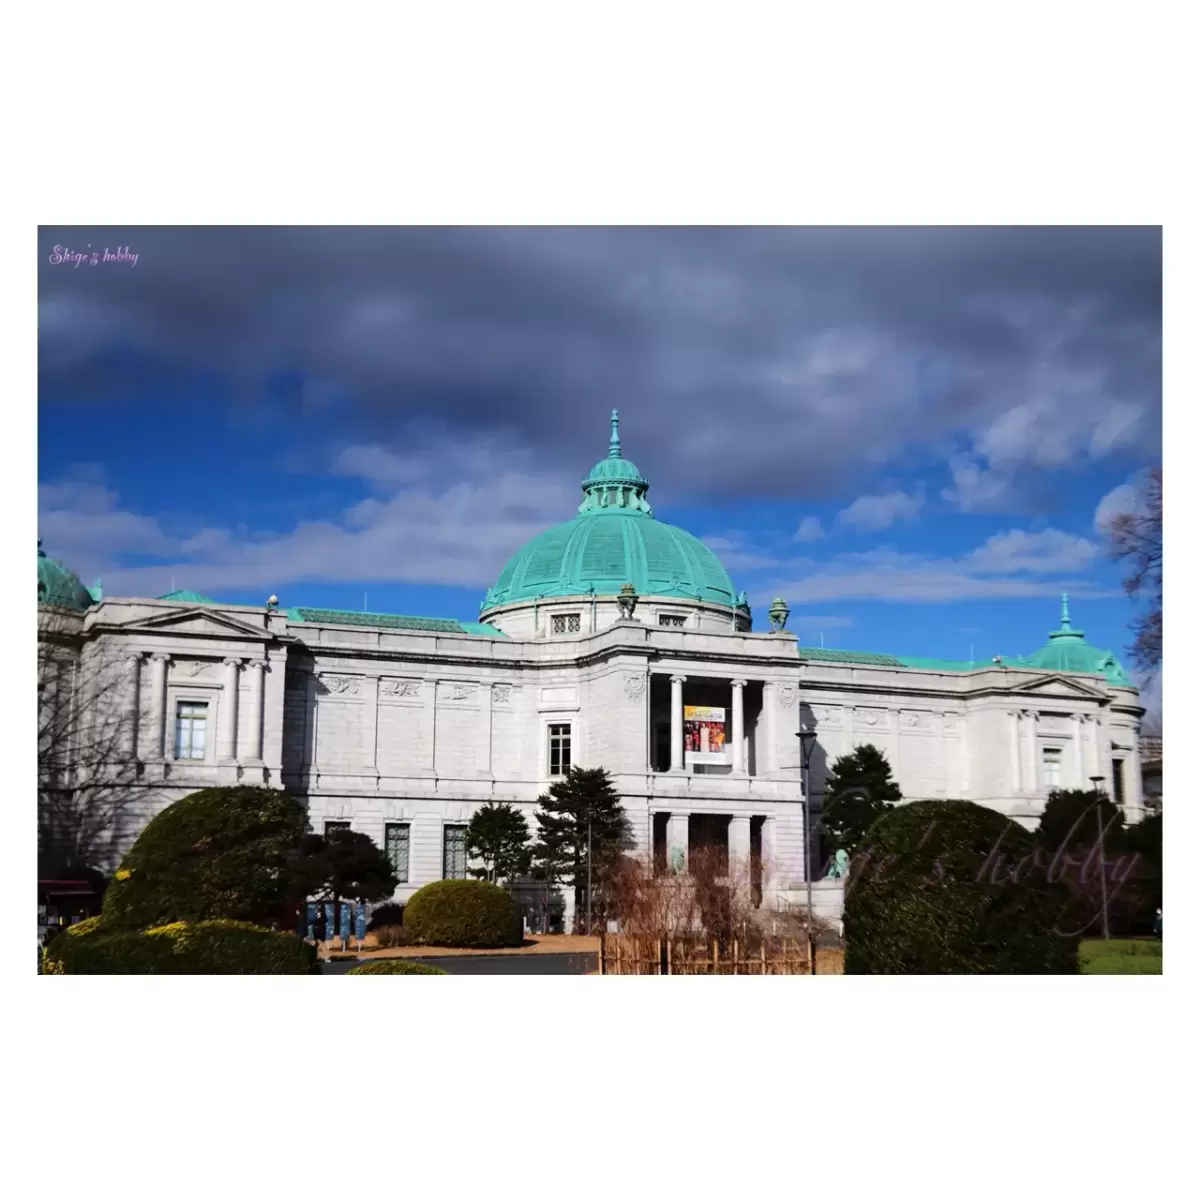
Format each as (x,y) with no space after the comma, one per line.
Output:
(498,836)
(581,811)
(858,789)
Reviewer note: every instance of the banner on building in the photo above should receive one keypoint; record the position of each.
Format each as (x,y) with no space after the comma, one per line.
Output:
(704,734)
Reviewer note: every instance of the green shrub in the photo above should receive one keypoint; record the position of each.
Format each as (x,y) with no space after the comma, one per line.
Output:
(1120,956)
(950,887)
(394,966)
(218,853)
(181,948)
(463,912)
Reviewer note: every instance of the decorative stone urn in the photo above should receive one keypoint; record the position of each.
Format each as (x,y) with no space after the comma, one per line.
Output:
(627,600)
(778,614)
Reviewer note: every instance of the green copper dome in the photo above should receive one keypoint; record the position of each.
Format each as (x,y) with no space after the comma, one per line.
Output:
(1067,651)
(614,540)
(59,586)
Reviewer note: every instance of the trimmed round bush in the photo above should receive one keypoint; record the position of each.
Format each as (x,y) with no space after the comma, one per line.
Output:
(947,887)
(463,912)
(220,853)
(394,966)
(181,948)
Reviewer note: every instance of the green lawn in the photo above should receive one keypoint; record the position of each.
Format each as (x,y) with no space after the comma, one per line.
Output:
(1120,956)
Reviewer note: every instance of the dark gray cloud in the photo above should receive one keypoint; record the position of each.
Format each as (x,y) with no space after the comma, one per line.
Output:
(749,362)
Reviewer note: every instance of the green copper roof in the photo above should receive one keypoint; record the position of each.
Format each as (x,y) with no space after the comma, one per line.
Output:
(613,541)
(334,616)
(59,586)
(188,595)
(1066,650)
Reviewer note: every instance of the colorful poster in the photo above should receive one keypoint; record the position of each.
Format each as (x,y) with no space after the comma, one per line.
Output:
(704,734)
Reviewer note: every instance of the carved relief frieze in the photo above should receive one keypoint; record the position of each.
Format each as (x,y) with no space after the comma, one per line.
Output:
(635,686)
(502,695)
(787,694)
(342,685)
(400,689)
(916,721)
(872,718)
(458,692)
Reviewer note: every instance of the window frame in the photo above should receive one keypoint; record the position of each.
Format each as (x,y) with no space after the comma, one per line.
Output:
(407,827)
(672,620)
(565,738)
(447,828)
(180,704)
(566,618)
(1052,756)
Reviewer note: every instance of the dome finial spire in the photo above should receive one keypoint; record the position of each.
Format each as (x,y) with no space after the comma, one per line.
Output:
(614,441)
(1066,616)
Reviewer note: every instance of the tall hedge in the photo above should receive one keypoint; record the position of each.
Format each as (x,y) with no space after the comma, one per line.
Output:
(463,912)
(220,853)
(950,887)
(181,948)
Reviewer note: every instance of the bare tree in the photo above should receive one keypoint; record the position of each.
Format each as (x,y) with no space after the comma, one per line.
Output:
(1135,539)
(87,766)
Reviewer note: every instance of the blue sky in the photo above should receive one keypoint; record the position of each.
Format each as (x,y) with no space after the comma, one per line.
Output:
(912,435)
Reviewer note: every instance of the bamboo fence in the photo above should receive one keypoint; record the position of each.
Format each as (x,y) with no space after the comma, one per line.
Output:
(626,954)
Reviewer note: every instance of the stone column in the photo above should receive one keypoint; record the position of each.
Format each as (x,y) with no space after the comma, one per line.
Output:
(1034,778)
(739,851)
(227,734)
(677,682)
(1098,767)
(1014,723)
(257,685)
(739,730)
(133,699)
(677,838)
(158,705)
(1079,727)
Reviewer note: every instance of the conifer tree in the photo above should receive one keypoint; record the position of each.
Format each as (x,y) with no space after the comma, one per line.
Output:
(498,836)
(581,809)
(858,789)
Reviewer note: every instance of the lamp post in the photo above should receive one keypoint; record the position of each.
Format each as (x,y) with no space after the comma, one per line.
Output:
(808,740)
(1096,781)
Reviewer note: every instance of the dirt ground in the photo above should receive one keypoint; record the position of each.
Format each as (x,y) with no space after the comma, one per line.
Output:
(536,943)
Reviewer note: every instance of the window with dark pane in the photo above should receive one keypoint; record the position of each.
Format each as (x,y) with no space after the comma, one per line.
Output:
(395,845)
(565,623)
(672,620)
(454,852)
(560,749)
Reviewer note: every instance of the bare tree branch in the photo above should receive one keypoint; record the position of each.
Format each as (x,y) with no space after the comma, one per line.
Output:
(1135,539)
(87,769)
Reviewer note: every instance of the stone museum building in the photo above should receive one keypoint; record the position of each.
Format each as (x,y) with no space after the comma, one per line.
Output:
(610,640)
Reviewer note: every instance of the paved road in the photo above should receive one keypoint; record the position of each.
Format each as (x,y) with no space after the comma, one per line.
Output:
(494,964)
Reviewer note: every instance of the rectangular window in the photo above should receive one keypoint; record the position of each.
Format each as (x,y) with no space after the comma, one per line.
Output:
(560,749)
(395,845)
(565,623)
(672,620)
(1118,765)
(454,852)
(190,720)
(1051,768)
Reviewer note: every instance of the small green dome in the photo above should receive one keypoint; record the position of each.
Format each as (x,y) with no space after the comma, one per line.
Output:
(1067,651)
(613,541)
(59,586)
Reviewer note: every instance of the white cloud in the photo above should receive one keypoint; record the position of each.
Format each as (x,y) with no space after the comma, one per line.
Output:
(1124,498)
(1046,551)
(446,528)
(870,514)
(809,530)
(975,488)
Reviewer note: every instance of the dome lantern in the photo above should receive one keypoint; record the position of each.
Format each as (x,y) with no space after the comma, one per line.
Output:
(615,482)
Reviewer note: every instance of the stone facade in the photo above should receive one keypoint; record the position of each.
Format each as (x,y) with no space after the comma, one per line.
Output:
(379,726)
